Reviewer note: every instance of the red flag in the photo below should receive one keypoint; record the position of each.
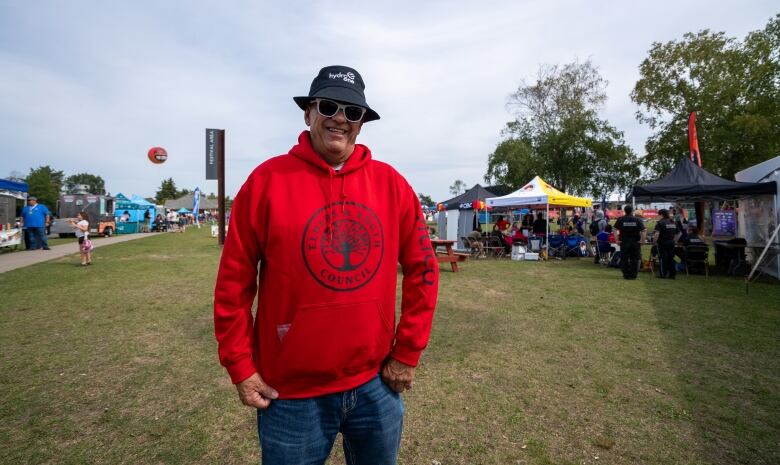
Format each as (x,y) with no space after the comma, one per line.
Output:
(693,141)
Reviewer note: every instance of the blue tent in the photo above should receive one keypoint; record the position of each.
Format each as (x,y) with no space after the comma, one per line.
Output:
(183,210)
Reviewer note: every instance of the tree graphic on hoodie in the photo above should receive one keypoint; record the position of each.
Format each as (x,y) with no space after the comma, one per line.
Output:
(346,248)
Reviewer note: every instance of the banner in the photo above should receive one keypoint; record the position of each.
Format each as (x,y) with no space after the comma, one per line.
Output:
(196,204)
(211,153)
(693,140)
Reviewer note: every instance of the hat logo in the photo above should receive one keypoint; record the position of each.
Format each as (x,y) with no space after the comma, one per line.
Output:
(348,77)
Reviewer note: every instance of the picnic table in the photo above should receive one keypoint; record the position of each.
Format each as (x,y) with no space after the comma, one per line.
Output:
(450,256)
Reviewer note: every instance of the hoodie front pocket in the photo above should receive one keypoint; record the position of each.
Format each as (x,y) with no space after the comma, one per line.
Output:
(328,341)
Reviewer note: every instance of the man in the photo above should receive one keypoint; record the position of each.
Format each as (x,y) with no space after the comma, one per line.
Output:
(631,230)
(665,236)
(324,355)
(35,218)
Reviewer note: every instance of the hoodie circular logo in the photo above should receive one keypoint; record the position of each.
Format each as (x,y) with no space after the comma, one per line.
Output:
(343,245)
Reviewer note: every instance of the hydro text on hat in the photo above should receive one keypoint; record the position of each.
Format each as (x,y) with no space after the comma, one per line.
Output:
(342,84)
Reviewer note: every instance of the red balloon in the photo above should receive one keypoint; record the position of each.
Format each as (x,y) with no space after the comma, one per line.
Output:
(157,155)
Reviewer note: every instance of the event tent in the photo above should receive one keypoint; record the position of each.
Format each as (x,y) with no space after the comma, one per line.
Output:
(538,193)
(458,217)
(691,183)
(758,215)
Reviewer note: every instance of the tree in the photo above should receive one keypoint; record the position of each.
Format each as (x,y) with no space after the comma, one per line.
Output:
(45,183)
(16,176)
(348,238)
(557,134)
(166,191)
(426,200)
(458,187)
(733,86)
(95,184)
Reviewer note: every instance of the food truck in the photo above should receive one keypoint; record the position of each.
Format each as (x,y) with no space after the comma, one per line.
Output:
(99,208)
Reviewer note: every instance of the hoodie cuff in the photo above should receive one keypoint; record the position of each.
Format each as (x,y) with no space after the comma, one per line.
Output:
(406,356)
(241,370)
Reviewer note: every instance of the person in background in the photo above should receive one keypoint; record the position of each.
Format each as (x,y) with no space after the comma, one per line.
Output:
(147,221)
(35,218)
(597,226)
(631,231)
(604,241)
(540,224)
(501,225)
(579,224)
(665,236)
(326,353)
(82,233)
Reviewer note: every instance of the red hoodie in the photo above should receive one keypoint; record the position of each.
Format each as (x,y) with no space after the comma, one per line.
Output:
(328,243)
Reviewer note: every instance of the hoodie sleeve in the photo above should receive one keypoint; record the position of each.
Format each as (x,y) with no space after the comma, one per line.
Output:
(420,282)
(236,286)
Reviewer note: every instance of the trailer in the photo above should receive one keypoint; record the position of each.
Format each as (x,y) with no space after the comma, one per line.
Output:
(99,208)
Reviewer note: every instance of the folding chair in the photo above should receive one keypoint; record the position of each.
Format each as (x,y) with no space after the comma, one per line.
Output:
(604,249)
(535,244)
(698,256)
(557,244)
(496,246)
(476,249)
(575,246)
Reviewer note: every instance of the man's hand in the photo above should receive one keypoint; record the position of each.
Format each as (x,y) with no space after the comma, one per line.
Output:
(253,392)
(397,375)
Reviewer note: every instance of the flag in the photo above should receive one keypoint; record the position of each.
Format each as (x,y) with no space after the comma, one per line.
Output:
(196,204)
(693,141)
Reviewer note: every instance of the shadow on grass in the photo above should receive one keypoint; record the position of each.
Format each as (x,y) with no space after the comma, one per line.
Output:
(723,353)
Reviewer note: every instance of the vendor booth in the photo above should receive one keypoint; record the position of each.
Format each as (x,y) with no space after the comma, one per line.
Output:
(130,211)
(538,194)
(759,216)
(688,182)
(457,216)
(10,192)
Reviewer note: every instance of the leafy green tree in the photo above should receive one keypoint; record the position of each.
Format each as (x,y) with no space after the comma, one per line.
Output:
(167,191)
(45,183)
(426,200)
(557,134)
(95,184)
(733,86)
(458,187)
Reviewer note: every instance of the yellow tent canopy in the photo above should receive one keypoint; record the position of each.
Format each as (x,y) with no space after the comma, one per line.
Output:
(538,192)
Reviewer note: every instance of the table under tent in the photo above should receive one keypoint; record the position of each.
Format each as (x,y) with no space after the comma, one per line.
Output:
(688,182)
(457,216)
(538,194)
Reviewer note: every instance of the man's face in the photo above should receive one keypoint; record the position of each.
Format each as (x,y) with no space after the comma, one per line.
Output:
(31,202)
(333,138)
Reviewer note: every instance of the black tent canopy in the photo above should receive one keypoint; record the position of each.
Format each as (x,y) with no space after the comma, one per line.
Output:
(464,200)
(690,182)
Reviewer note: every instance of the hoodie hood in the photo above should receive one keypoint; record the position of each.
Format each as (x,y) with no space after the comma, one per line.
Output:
(599,215)
(304,150)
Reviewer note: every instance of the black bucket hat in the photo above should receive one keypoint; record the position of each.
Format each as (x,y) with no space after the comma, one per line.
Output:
(342,84)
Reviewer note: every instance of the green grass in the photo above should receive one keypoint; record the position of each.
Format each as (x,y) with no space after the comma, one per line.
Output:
(535,363)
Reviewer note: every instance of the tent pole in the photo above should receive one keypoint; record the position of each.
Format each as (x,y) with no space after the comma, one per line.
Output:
(547,239)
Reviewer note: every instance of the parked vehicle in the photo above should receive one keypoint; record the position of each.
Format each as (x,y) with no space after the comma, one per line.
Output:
(99,208)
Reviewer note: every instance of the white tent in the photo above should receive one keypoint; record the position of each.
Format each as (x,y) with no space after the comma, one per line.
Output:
(759,216)
(539,194)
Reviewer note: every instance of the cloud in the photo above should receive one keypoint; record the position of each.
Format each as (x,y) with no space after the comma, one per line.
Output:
(90,89)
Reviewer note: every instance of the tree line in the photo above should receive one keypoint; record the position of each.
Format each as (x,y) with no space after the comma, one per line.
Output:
(557,132)
(47,184)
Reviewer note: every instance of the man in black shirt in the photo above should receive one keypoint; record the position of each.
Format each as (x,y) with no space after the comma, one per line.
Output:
(666,234)
(632,231)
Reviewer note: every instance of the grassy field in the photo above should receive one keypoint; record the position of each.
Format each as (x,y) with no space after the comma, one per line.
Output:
(561,362)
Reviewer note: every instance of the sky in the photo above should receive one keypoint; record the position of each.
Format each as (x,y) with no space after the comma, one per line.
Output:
(89,87)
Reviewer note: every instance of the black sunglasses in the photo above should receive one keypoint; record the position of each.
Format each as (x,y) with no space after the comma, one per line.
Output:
(329,108)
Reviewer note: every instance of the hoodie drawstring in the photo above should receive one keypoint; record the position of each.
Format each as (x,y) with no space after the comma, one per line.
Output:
(343,193)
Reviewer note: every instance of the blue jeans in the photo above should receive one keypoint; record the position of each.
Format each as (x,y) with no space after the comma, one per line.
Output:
(38,236)
(302,431)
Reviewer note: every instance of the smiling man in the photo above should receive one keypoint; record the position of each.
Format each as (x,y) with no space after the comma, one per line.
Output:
(324,354)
